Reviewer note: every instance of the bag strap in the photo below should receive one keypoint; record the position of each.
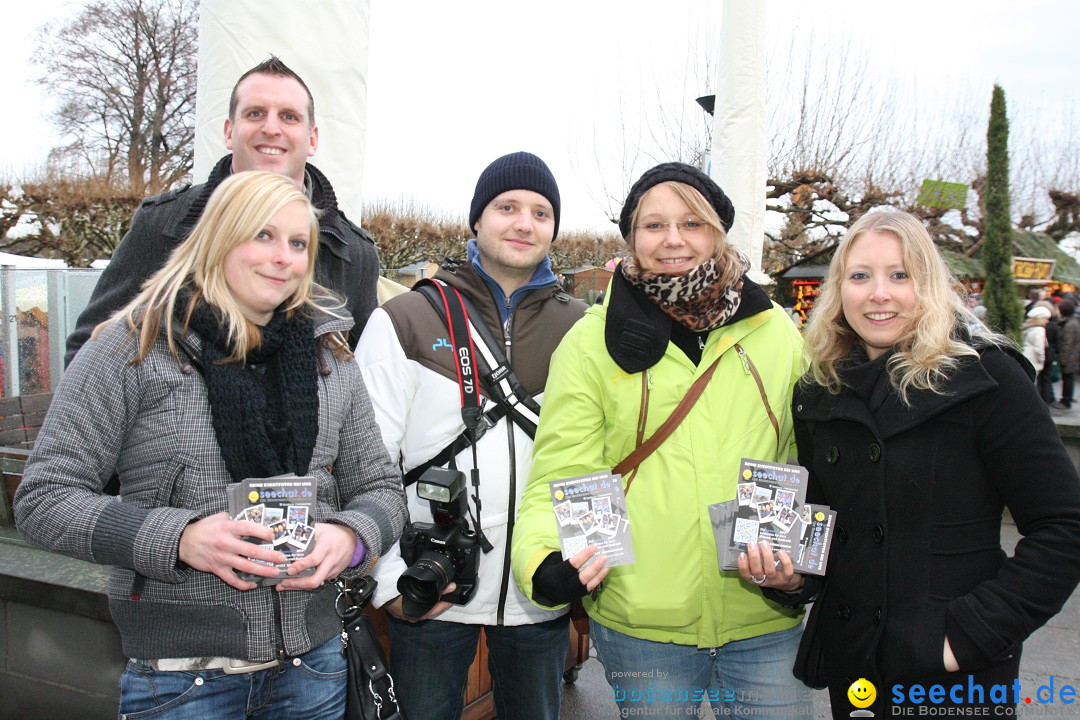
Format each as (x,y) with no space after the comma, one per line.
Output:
(631,461)
(761,391)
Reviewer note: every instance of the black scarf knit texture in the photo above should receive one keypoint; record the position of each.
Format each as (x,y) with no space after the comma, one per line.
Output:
(265,412)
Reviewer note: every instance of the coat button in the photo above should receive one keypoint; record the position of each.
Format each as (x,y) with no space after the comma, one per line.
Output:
(879,534)
(842,534)
(877,616)
(832,455)
(875,452)
(799,408)
(844,612)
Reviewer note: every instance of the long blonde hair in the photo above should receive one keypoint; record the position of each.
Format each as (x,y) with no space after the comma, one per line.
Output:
(237,211)
(726,256)
(928,347)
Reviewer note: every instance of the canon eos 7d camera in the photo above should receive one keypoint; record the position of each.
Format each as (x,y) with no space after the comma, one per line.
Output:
(441,552)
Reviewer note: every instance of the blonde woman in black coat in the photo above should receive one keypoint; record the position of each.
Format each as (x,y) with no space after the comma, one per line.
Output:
(919,435)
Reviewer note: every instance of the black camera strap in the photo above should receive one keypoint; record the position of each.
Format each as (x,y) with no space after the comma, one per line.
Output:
(461,340)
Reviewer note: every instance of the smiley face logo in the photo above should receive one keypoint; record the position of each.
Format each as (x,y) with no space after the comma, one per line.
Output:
(862,693)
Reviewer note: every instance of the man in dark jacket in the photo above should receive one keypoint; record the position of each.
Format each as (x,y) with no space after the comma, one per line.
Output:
(271,126)
(1068,352)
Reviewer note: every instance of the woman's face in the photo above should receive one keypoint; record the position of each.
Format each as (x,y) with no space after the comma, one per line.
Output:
(266,271)
(661,246)
(876,293)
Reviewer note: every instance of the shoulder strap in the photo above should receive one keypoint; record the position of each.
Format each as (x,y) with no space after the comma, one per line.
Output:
(635,458)
(631,461)
(448,302)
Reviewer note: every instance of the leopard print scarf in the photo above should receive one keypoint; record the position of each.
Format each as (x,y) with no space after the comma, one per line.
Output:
(696,299)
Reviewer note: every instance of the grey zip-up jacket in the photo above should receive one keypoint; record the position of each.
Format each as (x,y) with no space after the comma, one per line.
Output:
(151,424)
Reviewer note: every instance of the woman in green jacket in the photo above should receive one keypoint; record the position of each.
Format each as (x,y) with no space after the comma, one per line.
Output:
(671,628)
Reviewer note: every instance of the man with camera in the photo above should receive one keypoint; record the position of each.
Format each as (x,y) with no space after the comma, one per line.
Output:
(450,575)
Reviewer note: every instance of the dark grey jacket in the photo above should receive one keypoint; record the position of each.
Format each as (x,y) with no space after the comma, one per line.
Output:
(151,424)
(347,263)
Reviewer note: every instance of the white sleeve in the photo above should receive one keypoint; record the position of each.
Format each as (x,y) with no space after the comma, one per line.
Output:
(392,383)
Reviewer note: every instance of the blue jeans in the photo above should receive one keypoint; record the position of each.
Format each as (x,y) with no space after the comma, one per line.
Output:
(430,663)
(749,677)
(308,687)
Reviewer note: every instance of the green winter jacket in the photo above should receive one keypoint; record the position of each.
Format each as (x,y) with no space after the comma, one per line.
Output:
(674,592)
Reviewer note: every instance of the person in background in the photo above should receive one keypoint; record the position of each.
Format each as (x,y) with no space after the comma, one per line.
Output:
(979,311)
(1068,350)
(271,126)
(1034,336)
(410,366)
(671,624)
(229,364)
(919,433)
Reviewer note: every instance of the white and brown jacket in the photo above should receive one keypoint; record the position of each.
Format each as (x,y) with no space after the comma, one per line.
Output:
(408,367)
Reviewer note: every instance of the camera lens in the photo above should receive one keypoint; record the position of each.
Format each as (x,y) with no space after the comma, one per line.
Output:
(423,584)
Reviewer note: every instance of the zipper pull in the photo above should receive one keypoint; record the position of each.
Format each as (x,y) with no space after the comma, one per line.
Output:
(744,358)
(344,641)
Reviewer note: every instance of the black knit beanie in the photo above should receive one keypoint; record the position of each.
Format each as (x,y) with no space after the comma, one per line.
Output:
(516,171)
(682,173)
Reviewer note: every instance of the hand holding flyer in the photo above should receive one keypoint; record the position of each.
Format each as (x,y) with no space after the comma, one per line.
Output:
(286,505)
(591,509)
(769,505)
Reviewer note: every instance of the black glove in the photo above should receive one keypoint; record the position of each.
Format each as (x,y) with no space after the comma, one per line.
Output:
(556,582)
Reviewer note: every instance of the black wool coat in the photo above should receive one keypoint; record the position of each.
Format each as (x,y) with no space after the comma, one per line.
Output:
(919,493)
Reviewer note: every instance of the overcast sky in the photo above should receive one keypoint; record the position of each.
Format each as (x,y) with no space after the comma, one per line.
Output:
(452,85)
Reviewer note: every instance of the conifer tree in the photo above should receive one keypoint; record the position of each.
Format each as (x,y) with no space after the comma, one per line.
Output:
(1003,309)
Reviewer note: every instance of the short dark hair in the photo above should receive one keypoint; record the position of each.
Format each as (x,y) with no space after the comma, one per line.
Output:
(273,66)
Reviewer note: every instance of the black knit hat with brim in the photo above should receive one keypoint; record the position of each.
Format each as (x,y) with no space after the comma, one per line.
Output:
(681,173)
(516,171)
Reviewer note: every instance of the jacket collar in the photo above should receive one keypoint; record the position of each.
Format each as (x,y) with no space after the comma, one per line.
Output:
(316,185)
(637,331)
(468,279)
(542,277)
(883,412)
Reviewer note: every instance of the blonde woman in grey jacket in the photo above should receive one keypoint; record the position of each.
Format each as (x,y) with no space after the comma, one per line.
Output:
(226,366)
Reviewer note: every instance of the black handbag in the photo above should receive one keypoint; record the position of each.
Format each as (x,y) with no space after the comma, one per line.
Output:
(370,689)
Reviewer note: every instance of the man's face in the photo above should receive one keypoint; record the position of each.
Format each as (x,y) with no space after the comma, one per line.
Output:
(514,234)
(271,129)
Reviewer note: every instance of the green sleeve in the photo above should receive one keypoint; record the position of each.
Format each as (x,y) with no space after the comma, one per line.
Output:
(569,442)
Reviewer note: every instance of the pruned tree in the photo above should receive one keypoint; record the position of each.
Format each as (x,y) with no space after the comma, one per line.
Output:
(999,292)
(76,220)
(409,235)
(123,76)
